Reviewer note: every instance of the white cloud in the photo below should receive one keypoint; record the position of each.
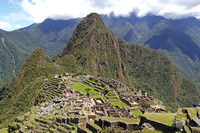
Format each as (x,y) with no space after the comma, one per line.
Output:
(18,17)
(66,9)
(17,26)
(5,25)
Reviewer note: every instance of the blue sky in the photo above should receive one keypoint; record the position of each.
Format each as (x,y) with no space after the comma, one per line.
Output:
(15,14)
(12,15)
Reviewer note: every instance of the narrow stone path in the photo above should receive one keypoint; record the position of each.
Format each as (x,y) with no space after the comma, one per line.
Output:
(12,57)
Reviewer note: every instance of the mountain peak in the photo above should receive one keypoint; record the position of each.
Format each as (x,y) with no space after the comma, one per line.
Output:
(96,48)
(94,17)
(90,28)
(30,68)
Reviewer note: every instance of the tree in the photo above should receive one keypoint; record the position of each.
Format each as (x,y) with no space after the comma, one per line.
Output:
(87,89)
(144,105)
(104,91)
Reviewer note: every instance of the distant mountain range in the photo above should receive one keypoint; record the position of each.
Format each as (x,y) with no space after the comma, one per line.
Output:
(50,35)
(93,49)
(177,39)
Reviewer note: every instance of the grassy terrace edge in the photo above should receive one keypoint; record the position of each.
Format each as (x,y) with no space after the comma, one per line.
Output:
(81,87)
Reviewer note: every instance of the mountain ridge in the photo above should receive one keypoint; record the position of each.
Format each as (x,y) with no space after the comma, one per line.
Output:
(132,29)
(146,69)
(136,69)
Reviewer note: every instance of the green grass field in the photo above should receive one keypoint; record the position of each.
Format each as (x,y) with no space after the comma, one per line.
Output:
(187,129)
(166,118)
(4,130)
(192,111)
(81,87)
(196,128)
(180,115)
(136,112)
(120,104)
(127,120)
(146,130)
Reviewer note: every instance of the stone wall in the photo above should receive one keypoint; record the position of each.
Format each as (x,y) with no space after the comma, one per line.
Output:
(157,125)
(74,120)
(66,126)
(125,101)
(126,126)
(91,117)
(195,130)
(99,123)
(82,119)
(42,121)
(59,120)
(133,127)
(80,130)
(51,124)
(106,124)
(61,130)
(122,124)
(91,128)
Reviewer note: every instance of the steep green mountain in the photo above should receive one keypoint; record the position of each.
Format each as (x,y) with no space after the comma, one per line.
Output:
(98,52)
(29,71)
(15,46)
(181,38)
(93,49)
(7,87)
(177,39)
(178,46)
(96,49)
(11,56)
(155,73)
(190,26)
(27,90)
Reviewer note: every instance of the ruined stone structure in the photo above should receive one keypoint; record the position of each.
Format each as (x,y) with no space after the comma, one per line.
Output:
(104,108)
(127,93)
(66,107)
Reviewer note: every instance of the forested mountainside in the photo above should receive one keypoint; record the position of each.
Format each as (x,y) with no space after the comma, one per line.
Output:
(177,39)
(93,49)
(15,46)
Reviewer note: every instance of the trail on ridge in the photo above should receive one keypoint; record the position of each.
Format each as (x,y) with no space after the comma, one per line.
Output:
(12,56)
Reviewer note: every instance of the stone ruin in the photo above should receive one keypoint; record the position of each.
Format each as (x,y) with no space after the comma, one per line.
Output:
(133,98)
(76,108)
(104,108)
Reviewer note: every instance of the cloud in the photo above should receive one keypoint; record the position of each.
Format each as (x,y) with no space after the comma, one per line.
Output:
(17,26)
(67,9)
(18,16)
(5,25)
